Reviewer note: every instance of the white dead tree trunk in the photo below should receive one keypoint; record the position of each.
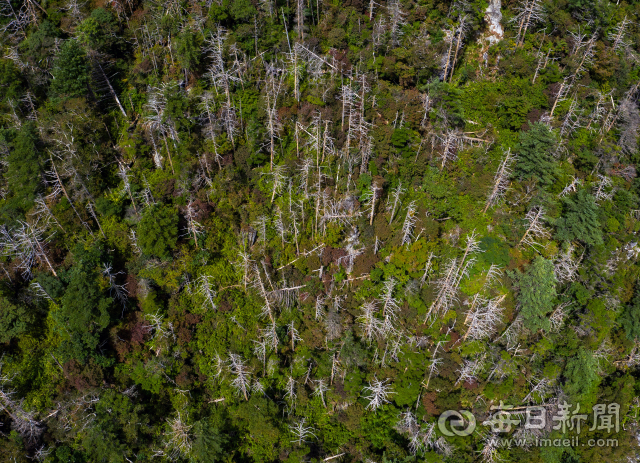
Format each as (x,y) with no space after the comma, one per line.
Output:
(179,439)
(379,392)
(27,244)
(397,20)
(501,180)
(194,228)
(370,200)
(535,227)
(409,223)
(460,32)
(294,334)
(395,195)
(206,289)
(274,126)
(530,12)
(300,430)
(242,377)
(119,292)
(454,271)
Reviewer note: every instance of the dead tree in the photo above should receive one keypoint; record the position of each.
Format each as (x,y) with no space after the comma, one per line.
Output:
(535,227)
(572,187)
(54,181)
(274,126)
(242,376)
(371,325)
(459,35)
(501,180)
(370,199)
(396,193)
(530,12)
(279,175)
(603,190)
(451,142)
(42,210)
(119,292)
(319,390)
(156,122)
(218,72)
(320,308)
(469,370)
(113,93)
(409,223)
(205,287)
(179,439)
(483,317)
(584,50)
(447,285)
(397,20)
(299,19)
(294,334)
(630,115)
(229,119)
(300,430)
(194,228)
(567,265)
(562,93)
(27,243)
(379,392)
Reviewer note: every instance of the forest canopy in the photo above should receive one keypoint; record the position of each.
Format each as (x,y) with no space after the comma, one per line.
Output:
(306,231)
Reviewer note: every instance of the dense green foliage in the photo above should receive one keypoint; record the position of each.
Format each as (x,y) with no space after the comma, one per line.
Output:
(286,231)
(537,293)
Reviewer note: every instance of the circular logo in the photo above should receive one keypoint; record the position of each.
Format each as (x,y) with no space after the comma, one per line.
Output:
(454,423)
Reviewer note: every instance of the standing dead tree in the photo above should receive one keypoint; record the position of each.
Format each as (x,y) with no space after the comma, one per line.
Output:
(603,190)
(409,223)
(27,244)
(535,227)
(451,143)
(194,228)
(447,285)
(156,121)
(205,287)
(179,439)
(370,324)
(530,12)
(483,317)
(218,72)
(567,265)
(455,38)
(395,195)
(397,20)
(370,199)
(300,429)
(119,292)
(274,126)
(242,377)
(501,180)
(379,392)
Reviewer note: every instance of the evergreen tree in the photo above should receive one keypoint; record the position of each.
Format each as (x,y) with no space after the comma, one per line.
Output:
(14,319)
(581,377)
(83,312)
(631,317)
(535,160)
(579,220)
(537,292)
(23,172)
(158,231)
(70,72)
